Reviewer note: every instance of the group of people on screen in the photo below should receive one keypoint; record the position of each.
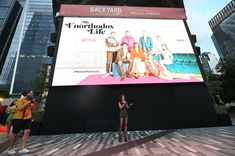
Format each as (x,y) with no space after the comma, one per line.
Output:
(138,56)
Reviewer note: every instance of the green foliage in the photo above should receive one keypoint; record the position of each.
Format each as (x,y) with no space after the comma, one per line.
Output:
(215,87)
(228,78)
(213,77)
(223,84)
(220,109)
(214,84)
(37,115)
(39,84)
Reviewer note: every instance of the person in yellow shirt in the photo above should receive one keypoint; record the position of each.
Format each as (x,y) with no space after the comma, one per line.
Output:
(22,121)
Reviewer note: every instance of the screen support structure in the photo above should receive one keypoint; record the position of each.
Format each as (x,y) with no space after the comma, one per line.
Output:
(194,49)
(60,22)
(73,109)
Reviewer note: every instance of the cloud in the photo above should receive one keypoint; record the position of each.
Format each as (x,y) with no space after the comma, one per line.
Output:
(198,18)
(199,12)
(192,2)
(198,24)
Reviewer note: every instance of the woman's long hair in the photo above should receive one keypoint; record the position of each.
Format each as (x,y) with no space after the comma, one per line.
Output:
(120,97)
(27,91)
(12,104)
(165,46)
(135,44)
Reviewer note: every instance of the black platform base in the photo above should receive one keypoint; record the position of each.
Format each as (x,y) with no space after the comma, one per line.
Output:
(156,106)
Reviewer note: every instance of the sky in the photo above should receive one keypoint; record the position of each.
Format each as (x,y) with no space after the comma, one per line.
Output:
(199,13)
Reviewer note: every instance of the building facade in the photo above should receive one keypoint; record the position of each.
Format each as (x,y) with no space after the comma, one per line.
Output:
(209,62)
(223,25)
(37,28)
(10,11)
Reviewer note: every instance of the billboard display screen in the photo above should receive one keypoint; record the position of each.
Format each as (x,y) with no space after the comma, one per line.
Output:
(106,51)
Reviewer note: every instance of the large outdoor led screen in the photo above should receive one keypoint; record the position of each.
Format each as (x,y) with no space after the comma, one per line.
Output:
(106,51)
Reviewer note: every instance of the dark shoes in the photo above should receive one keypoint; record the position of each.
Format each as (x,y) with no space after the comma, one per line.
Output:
(125,137)
(120,137)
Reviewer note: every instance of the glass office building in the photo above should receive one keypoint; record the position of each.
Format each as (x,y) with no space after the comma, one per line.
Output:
(33,50)
(209,62)
(10,11)
(223,25)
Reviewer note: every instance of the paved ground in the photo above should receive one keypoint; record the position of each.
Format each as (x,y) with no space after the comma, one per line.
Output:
(216,141)
(3,138)
(190,142)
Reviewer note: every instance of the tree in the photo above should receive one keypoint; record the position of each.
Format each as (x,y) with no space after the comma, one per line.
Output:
(227,70)
(214,83)
(39,84)
(215,87)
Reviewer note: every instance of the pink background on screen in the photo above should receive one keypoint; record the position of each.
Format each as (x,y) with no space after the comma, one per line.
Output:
(99,80)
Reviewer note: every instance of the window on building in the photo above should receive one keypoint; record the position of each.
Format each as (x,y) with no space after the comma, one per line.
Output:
(223,14)
(220,17)
(230,8)
(233,3)
(226,11)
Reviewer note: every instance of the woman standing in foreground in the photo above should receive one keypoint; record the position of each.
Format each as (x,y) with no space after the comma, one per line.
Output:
(11,111)
(123,106)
